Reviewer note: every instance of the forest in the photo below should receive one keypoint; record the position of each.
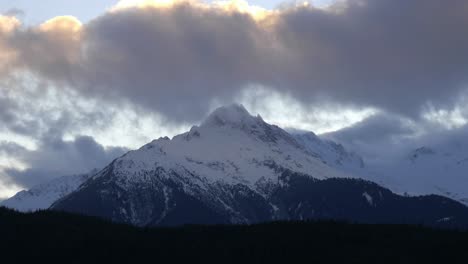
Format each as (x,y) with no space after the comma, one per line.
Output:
(57,237)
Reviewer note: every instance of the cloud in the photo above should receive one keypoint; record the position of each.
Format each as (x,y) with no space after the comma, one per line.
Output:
(379,137)
(51,50)
(8,25)
(377,128)
(175,58)
(385,138)
(56,157)
(288,112)
(42,128)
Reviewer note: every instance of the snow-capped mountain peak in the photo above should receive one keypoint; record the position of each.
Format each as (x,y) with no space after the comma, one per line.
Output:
(233,118)
(43,195)
(230,146)
(234,115)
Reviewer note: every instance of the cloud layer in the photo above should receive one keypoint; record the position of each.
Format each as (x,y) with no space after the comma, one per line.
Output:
(56,158)
(176,57)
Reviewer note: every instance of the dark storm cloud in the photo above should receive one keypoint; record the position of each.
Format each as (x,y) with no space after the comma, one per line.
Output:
(393,55)
(396,55)
(56,157)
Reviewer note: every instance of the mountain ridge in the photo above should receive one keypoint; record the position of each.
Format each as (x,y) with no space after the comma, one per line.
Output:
(42,196)
(237,169)
(234,168)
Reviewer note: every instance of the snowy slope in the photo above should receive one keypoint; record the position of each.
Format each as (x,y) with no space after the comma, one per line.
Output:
(43,195)
(438,170)
(230,146)
(330,152)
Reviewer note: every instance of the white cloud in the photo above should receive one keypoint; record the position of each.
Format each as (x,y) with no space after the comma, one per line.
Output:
(320,116)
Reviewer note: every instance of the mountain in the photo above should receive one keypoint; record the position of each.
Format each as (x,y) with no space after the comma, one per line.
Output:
(236,168)
(442,169)
(42,196)
(426,170)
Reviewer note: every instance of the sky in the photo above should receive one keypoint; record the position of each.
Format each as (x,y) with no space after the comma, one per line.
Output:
(81,82)
(34,12)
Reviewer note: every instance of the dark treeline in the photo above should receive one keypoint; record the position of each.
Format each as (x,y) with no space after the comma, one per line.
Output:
(55,237)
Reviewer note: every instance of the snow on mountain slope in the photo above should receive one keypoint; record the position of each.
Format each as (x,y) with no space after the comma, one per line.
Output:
(332,153)
(42,196)
(438,170)
(230,146)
